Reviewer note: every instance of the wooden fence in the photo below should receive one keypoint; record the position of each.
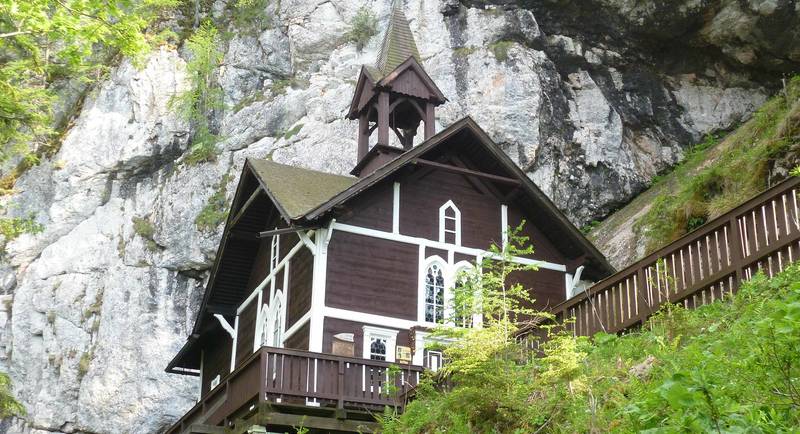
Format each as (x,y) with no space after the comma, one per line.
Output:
(280,375)
(706,265)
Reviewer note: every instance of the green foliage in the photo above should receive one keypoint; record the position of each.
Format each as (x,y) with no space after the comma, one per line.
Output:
(215,211)
(500,50)
(43,42)
(464,51)
(738,169)
(145,229)
(250,15)
(589,227)
(731,366)
(203,96)
(8,405)
(13,227)
(292,131)
(363,27)
(85,363)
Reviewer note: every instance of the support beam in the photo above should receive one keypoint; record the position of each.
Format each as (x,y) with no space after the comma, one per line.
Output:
(225,325)
(289,230)
(244,207)
(467,172)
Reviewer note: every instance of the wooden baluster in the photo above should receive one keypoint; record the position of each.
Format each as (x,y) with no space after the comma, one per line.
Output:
(735,249)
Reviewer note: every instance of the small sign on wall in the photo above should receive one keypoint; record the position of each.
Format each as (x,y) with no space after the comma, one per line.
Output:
(403,354)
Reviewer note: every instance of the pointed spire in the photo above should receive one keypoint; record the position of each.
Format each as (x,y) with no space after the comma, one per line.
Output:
(398,43)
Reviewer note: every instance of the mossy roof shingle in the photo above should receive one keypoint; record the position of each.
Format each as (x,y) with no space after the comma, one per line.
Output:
(398,42)
(299,190)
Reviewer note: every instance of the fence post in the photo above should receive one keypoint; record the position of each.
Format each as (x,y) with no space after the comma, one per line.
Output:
(643,302)
(735,249)
(262,375)
(340,387)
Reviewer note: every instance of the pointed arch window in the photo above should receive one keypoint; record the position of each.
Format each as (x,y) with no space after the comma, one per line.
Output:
(434,293)
(272,331)
(463,303)
(450,223)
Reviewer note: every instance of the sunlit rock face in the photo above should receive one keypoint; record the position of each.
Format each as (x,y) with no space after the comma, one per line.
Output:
(591,105)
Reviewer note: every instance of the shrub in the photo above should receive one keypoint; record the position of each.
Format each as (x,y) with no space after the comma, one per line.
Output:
(11,228)
(215,211)
(363,27)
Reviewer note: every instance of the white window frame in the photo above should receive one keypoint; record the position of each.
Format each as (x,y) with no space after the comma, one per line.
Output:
(449,272)
(274,252)
(433,260)
(389,335)
(443,217)
(277,311)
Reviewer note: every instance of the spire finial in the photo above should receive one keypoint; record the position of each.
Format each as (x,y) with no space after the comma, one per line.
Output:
(398,42)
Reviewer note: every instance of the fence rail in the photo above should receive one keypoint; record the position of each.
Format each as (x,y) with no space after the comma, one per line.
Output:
(281,375)
(706,265)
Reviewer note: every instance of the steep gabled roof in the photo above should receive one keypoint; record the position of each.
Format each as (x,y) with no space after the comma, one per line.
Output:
(295,190)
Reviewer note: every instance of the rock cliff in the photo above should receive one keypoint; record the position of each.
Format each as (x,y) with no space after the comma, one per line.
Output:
(591,98)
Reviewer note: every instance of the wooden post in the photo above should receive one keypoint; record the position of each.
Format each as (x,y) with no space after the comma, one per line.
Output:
(363,135)
(262,375)
(383,118)
(430,121)
(340,413)
(643,302)
(735,249)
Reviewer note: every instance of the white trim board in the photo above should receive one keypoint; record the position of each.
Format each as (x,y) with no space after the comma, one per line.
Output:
(438,245)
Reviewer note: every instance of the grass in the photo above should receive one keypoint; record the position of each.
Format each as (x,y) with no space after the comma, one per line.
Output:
(85,363)
(215,211)
(730,366)
(464,51)
(718,174)
(11,228)
(145,229)
(292,131)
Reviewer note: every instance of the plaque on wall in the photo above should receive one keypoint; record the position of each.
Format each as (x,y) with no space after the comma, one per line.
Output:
(343,345)
(403,354)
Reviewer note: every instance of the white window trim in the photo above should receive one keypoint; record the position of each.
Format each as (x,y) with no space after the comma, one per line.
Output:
(278,308)
(449,272)
(443,216)
(423,273)
(380,333)
(274,252)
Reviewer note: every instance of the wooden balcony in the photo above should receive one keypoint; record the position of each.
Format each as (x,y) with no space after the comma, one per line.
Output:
(282,389)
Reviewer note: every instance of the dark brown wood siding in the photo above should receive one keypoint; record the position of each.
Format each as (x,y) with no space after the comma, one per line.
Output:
(372,275)
(547,287)
(543,248)
(216,357)
(260,269)
(420,200)
(299,340)
(298,300)
(373,209)
(334,326)
(247,331)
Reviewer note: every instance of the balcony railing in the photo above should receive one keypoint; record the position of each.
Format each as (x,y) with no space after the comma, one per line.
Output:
(285,377)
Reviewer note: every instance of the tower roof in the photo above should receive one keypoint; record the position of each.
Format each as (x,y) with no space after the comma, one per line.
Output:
(398,42)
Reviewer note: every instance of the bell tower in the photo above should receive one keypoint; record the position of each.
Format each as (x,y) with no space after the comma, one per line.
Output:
(393,97)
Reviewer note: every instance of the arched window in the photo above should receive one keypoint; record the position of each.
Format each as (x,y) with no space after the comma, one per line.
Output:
(434,293)
(275,334)
(463,302)
(262,330)
(450,224)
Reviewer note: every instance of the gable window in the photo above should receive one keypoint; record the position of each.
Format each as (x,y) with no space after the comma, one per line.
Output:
(449,224)
(434,293)
(274,252)
(379,343)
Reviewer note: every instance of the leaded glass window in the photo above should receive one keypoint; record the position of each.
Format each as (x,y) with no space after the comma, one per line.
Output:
(377,349)
(434,294)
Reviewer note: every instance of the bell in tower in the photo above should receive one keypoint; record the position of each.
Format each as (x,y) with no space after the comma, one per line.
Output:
(393,97)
